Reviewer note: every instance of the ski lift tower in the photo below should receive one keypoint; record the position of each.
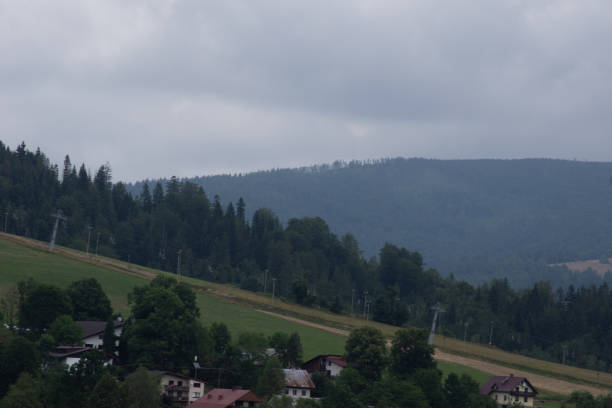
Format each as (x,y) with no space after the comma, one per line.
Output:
(59,215)
(437,310)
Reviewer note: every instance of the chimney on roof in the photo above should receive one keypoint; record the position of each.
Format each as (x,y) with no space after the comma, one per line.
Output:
(236,387)
(511,375)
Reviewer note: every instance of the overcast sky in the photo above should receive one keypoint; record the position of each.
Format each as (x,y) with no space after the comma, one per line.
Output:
(161,88)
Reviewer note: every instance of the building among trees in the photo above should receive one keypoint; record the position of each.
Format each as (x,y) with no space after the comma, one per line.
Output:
(509,390)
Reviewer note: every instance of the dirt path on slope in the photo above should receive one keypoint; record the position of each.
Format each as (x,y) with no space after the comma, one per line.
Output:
(539,381)
(555,385)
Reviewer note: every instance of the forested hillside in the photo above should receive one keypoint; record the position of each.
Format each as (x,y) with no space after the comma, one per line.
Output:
(477,219)
(302,260)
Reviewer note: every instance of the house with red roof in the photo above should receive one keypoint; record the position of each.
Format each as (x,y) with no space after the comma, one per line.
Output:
(509,390)
(328,364)
(227,397)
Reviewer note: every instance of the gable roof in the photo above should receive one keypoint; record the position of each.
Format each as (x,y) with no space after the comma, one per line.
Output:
(504,384)
(297,378)
(338,360)
(223,397)
(334,358)
(61,352)
(68,351)
(173,374)
(93,327)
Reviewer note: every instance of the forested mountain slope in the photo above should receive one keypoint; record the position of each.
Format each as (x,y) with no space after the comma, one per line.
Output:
(301,260)
(477,219)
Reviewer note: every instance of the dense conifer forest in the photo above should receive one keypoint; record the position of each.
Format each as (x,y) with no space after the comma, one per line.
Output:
(476,219)
(301,259)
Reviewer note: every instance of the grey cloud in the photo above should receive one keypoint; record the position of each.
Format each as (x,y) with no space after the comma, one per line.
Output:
(187,87)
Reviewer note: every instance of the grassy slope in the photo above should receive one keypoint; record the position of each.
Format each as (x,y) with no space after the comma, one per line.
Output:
(229,303)
(18,262)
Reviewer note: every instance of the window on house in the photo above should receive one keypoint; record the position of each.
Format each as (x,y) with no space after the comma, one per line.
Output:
(496,397)
(196,385)
(171,382)
(287,392)
(526,398)
(505,397)
(179,383)
(196,395)
(303,393)
(100,336)
(329,363)
(294,392)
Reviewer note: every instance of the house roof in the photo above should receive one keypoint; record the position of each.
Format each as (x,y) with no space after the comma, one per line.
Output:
(298,378)
(74,351)
(504,384)
(338,360)
(93,327)
(334,358)
(223,397)
(173,374)
(68,351)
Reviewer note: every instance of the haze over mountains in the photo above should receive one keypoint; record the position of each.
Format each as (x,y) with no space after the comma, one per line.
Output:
(476,219)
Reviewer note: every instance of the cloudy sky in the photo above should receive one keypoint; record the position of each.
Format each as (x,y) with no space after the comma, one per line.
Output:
(193,87)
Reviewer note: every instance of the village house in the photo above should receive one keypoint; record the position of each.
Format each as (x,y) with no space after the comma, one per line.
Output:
(179,389)
(298,383)
(327,364)
(93,332)
(227,397)
(509,390)
(91,339)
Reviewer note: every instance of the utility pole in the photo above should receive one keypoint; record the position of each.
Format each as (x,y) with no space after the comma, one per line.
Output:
(466,324)
(89,227)
(437,308)
(178,264)
(352,300)
(365,302)
(59,215)
(97,243)
(273,286)
(265,280)
(491,334)
(6,214)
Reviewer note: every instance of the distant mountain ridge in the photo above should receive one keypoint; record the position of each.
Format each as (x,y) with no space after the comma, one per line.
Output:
(477,219)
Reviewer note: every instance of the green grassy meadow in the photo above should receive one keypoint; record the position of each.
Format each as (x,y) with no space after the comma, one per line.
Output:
(18,262)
